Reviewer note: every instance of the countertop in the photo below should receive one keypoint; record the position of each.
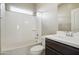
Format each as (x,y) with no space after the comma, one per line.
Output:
(72,41)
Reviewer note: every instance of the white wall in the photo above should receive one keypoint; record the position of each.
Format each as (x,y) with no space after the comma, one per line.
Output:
(48,17)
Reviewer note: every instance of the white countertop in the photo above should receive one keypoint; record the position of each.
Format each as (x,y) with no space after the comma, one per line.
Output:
(72,41)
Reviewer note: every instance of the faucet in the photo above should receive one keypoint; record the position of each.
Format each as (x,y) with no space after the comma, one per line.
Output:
(69,34)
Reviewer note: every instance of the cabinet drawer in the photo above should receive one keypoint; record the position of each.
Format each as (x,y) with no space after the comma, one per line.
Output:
(50,51)
(62,48)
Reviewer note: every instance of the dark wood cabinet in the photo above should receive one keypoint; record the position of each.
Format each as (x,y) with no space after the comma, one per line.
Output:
(57,48)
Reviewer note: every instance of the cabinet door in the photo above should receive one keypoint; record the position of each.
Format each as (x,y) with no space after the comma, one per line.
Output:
(50,51)
(62,48)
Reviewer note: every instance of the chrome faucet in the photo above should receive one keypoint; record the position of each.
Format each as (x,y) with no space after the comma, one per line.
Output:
(69,34)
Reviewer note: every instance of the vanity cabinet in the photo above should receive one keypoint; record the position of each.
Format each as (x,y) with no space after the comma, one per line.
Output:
(57,48)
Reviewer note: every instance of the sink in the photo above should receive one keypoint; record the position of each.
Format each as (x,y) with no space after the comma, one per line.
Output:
(60,36)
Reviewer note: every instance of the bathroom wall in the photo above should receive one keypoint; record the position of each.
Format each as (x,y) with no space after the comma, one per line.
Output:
(64,15)
(48,17)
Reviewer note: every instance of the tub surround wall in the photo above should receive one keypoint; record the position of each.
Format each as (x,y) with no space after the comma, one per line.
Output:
(18,30)
(13,28)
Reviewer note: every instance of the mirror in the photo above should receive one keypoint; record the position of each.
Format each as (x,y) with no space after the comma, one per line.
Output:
(68,14)
(75,20)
